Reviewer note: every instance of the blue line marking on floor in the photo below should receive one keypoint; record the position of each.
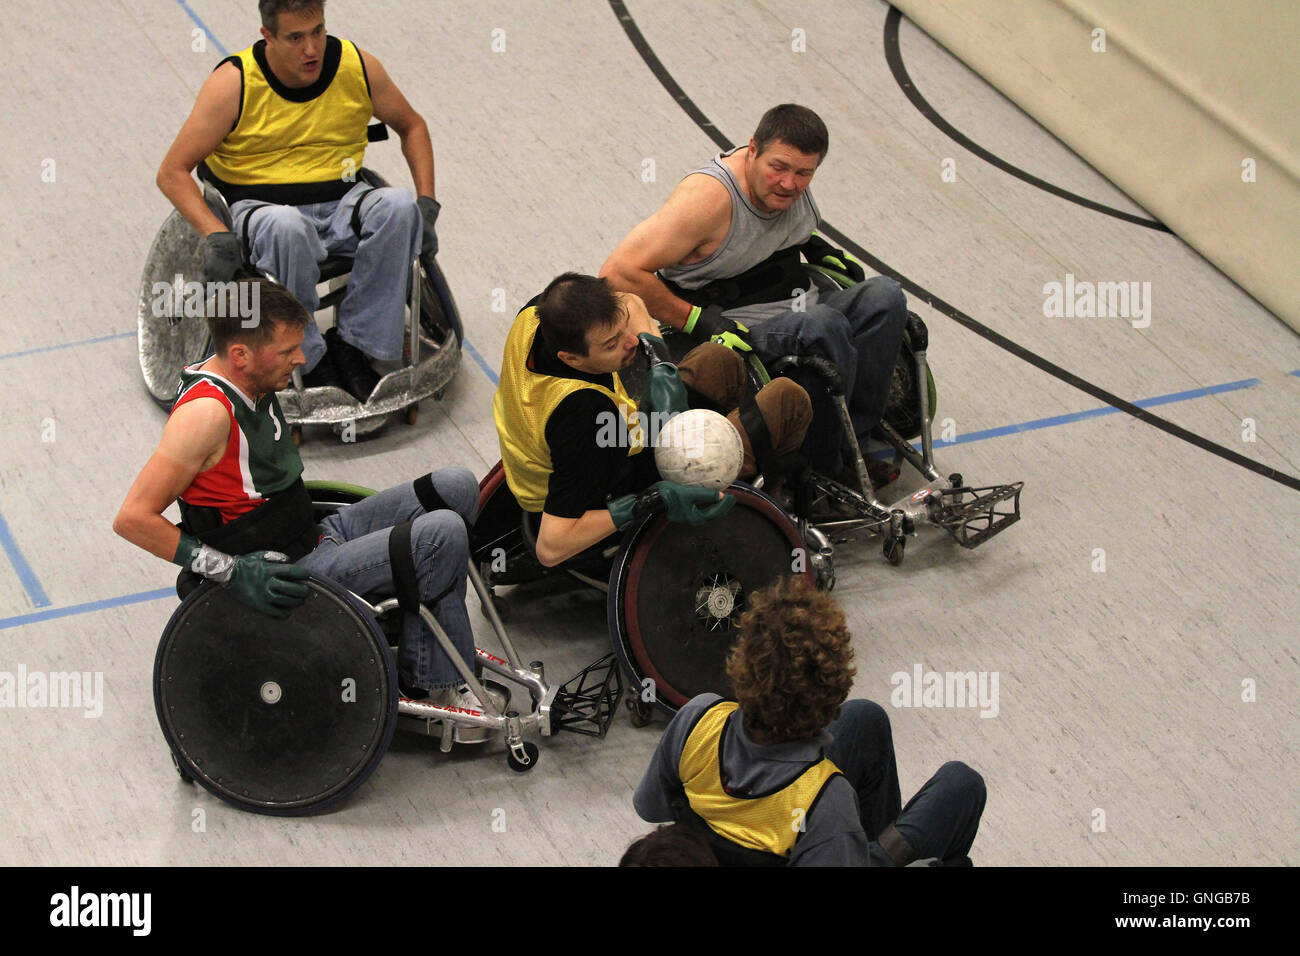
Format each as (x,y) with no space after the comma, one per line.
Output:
(204,27)
(487,369)
(31,583)
(69,345)
(138,598)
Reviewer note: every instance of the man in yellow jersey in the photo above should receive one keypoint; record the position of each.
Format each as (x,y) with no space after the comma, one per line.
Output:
(280,130)
(572,438)
(792,773)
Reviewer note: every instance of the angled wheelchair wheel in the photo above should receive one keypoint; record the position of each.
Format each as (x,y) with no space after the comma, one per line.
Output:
(439,317)
(676,593)
(168,338)
(276,717)
(496,542)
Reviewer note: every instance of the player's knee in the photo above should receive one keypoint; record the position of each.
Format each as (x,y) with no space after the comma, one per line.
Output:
(962,779)
(459,490)
(715,372)
(390,207)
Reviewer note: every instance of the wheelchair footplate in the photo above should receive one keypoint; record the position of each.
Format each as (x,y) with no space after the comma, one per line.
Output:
(972,515)
(400,390)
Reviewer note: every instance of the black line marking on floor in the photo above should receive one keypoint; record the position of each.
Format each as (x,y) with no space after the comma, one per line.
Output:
(961,318)
(894,57)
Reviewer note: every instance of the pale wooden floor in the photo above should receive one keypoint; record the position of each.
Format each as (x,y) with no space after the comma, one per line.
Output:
(1120,691)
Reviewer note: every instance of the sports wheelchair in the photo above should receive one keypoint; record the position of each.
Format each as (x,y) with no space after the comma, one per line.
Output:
(675,592)
(173,333)
(287,717)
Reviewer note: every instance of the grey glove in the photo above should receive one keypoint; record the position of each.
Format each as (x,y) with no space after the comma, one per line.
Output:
(222,256)
(429,209)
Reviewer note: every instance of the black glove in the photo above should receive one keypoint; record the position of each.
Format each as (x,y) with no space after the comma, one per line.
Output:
(264,580)
(685,503)
(708,324)
(429,209)
(819,252)
(222,256)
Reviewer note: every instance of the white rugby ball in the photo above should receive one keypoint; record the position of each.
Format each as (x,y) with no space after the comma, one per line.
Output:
(700,448)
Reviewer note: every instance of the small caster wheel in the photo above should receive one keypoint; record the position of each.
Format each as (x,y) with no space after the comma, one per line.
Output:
(437,396)
(639,712)
(412,414)
(185,777)
(529,761)
(295,432)
(894,550)
(955,479)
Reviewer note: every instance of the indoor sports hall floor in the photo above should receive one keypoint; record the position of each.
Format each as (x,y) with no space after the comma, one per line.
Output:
(1147,712)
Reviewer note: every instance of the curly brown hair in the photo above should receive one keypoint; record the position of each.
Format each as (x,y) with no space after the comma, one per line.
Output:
(793,664)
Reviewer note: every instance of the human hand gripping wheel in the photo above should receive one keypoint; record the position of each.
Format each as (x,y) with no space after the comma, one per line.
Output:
(264,580)
(683,503)
(222,256)
(429,209)
(708,324)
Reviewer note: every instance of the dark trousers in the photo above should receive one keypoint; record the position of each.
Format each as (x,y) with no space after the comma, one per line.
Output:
(940,821)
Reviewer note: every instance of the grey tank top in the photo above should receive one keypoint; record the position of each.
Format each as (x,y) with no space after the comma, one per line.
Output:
(753,237)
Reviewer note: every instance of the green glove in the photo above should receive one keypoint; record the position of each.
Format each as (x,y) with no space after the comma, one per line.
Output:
(708,324)
(264,580)
(684,503)
(664,391)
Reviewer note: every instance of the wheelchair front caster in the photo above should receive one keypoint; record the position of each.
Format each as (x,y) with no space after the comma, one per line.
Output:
(894,550)
(295,432)
(525,761)
(412,414)
(639,712)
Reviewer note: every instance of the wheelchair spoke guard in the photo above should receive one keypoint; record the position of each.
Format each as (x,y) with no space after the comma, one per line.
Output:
(277,717)
(169,339)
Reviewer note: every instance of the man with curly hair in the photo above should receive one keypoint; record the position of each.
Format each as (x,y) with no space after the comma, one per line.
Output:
(778,778)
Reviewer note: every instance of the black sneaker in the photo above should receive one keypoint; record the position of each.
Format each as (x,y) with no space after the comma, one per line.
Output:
(359,379)
(324,375)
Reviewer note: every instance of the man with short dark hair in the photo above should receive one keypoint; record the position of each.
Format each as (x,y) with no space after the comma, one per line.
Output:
(227,457)
(572,442)
(720,261)
(281,129)
(791,773)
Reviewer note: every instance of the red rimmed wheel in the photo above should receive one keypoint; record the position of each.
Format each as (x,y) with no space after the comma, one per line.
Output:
(677,592)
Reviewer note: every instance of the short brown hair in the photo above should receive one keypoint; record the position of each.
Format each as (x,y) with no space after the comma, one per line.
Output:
(795,126)
(247,310)
(571,305)
(792,666)
(271,10)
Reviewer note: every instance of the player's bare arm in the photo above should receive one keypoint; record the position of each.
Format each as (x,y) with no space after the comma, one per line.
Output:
(216,109)
(687,228)
(193,441)
(559,539)
(391,107)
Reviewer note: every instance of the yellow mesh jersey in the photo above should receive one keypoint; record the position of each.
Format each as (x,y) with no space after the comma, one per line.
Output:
(306,135)
(768,822)
(522,406)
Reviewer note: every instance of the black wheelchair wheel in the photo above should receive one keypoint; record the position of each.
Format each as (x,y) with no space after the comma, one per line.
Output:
(276,717)
(676,593)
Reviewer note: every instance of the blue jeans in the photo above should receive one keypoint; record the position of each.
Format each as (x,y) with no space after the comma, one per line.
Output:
(860,329)
(353,552)
(290,242)
(940,821)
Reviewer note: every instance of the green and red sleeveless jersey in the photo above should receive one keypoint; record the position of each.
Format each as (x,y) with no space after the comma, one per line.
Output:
(260,457)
